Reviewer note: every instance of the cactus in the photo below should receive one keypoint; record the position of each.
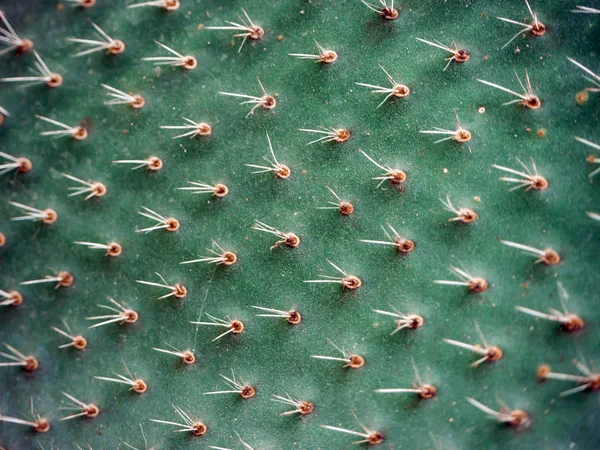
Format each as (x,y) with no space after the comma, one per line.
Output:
(379,347)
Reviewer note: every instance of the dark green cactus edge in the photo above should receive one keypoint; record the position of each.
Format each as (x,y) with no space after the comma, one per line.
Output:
(270,354)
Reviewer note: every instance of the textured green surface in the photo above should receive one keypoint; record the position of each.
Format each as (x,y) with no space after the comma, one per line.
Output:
(271,355)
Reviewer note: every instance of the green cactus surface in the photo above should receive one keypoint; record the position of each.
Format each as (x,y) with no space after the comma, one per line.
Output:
(272,355)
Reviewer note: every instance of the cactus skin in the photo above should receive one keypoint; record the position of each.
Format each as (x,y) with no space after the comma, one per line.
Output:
(270,354)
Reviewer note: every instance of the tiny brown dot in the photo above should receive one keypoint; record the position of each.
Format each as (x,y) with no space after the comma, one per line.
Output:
(519,418)
(462,56)
(50,216)
(341,135)
(346,208)
(130,316)
(404,245)
(91,411)
(462,135)
(98,189)
(138,102)
(355,362)
(551,257)
(351,282)
(257,32)
(31,363)
(428,391)
(188,357)
(237,326)
(414,321)
(397,177)
(114,249)
(280,38)
(539,183)
(468,215)
(375,438)
(41,426)
(80,134)
(229,258)
(542,132)
(477,285)
(538,29)
(494,353)
(155,163)
(401,91)
(594,382)
(591,159)
(24,46)
(2,117)
(573,323)
(328,57)
(199,429)
(532,102)
(87,3)
(247,392)
(66,279)
(283,172)
(389,13)
(306,408)
(204,129)
(189,62)
(172,224)
(15,297)
(117,47)
(220,190)
(268,102)
(54,80)
(2,239)
(291,240)
(179,290)
(582,97)
(294,317)
(79,342)
(200,26)
(543,371)
(139,386)
(172,5)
